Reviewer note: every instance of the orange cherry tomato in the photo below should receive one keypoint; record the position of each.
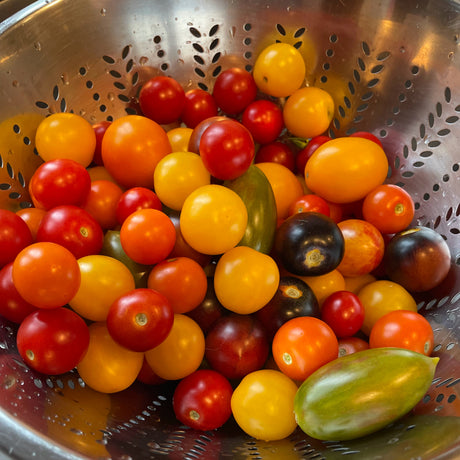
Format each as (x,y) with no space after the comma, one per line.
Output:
(32,217)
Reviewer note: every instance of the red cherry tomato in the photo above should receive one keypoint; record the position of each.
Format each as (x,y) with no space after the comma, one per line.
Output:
(140,319)
(234,89)
(303,156)
(12,306)
(134,199)
(61,181)
(162,99)
(310,203)
(227,149)
(202,400)
(15,235)
(403,329)
(53,341)
(344,313)
(99,129)
(72,227)
(276,152)
(199,105)
(200,128)
(367,135)
(264,120)
(349,345)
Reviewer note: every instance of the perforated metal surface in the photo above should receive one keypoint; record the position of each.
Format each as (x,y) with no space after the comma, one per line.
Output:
(393,68)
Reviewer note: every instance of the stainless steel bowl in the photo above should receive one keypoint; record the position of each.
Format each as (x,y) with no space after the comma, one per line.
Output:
(393,68)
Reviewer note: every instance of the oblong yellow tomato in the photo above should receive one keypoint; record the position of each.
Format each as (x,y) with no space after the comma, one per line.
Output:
(381,297)
(213,219)
(103,280)
(177,175)
(245,279)
(308,112)
(279,70)
(107,366)
(346,169)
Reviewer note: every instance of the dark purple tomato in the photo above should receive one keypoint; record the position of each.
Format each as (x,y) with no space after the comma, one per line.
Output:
(293,298)
(199,129)
(418,258)
(309,244)
(209,311)
(237,345)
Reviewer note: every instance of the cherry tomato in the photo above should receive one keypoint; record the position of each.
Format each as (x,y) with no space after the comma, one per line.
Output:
(403,329)
(279,70)
(302,345)
(276,152)
(147,236)
(46,275)
(310,203)
(325,285)
(307,151)
(162,99)
(200,128)
(179,138)
(72,227)
(103,280)
(389,208)
(177,175)
(102,202)
(354,165)
(245,279)
(140,319)
(202,400)
(198,105)
(32,217)
(108,367)
(367,135)
(355,283)
(227,149)
(147,376)
(264,120)
(131,148)
(99,129)
(52,341)
(181,353)
(60,181)
(263,405)
(213,219)
(381,297)
(66,135)
(234,89)
(134,199)
(14,236)
(236,345)
(286,187)
(181,280)
(308,112)
(100,173)
(12,306)
(343,312)
(364,247)
(349,345)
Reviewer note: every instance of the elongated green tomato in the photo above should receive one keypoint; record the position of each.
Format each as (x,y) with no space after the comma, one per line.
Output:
(213,219)
(263,405)
(359,394)
(256,192)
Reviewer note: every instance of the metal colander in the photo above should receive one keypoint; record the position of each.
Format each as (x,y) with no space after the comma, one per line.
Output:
(392,67)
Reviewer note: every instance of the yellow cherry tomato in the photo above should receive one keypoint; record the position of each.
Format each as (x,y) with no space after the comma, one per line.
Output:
(285,185)
(324,285)
(279,70)
(263,405)
(107,366)
(66,135)
(103,280)
(100,173)
(346,169)
(178,138)
(245,279)
(355,283)
(181,353)
(213,219)
(381,297)
(308,112)
(177,175)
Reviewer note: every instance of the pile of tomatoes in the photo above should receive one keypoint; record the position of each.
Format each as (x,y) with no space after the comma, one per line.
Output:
(129,265)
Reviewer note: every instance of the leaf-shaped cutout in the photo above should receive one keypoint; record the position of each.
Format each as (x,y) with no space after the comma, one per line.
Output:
(361,64)
(418,164)
(125,52)
(426,154)
(195,32)
(377,69)
(438,109)
(373,82)
(41,104)
(407,174)
(452,119)
(108,59)
(366,49)
(198,47)
(299,32)
(280,29)
(444,132)
(447,94)
(56,93)
(213,30)
(383,56)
